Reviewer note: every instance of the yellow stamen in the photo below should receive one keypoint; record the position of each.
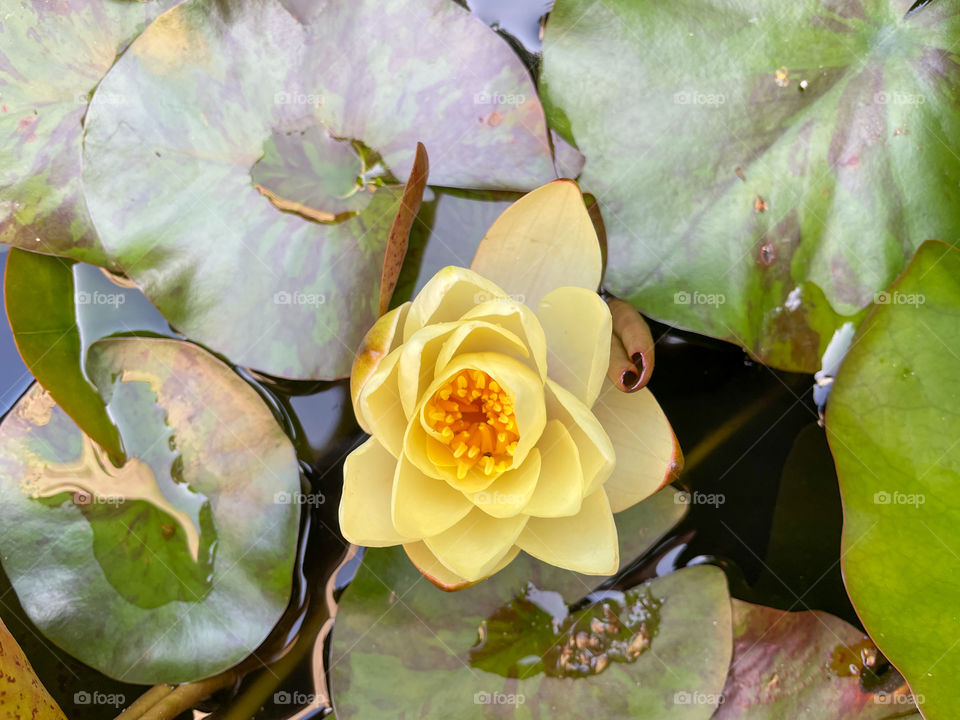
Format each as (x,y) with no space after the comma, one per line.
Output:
(474,416)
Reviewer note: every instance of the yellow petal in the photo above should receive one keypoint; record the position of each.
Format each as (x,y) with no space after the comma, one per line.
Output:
(379,342)
(585,542)
(523,384)
(415,444)
(648,456)
(418,358)
(597,457)
(520,320)
(475,545)
(379,405)
(578,328)
(478,336)
(447,296)
(559,491)
(365,516)
(428,564)
(543,241)
(422,505)
(510,493)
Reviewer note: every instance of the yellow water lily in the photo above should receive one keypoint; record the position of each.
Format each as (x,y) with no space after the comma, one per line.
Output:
(494,427)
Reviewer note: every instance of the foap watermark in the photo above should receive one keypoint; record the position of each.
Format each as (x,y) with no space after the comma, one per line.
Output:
(498,698)
(297,98)
(485,297)
(298,298)
(299,498)
(682,297)
(898,298)
(83,297)
(699,498)
(885,698)
(282,697)
(499,498)
(84,498)
(692,97)
(898,498)
(898,98)
(99,698)
(485,98)
(683,697)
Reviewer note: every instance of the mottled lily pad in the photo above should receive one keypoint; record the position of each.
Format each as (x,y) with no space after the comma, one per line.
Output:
(804,666)
(764,168)
(510,646)
(53,55)
(176,565)
(892,425)
(248,188)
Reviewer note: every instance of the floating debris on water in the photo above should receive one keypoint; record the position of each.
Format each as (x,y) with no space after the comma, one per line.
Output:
(850,661)
(782,77)
(803,85)
(759,205)
(794,299)
(618,628)
(768,253)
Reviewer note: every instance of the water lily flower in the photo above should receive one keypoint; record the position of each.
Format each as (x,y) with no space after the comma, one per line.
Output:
(494,428)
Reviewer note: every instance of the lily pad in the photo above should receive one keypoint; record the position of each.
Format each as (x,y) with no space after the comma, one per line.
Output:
(892,425)
(63,676)
(176,565)
(41,301)
(54,54)
(763,168)
(403,647)
(21,694)
(802,666)
(225,189)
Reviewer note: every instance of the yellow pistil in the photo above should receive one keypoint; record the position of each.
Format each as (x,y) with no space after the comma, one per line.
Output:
(474,417)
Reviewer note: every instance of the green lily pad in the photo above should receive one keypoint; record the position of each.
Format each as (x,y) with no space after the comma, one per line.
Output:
(802,666)
(892,426)
(248,188)
(401,647)
(64,677)
(176,565)
(54,54)
(764,168)
(41,299)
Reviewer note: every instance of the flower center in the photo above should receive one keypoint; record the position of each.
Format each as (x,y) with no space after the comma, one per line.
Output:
(474,417)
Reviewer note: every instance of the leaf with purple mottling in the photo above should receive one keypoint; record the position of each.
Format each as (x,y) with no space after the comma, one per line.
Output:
(234,95)
(176,565)
(52,55)
(803,666)
(764,168)
(403,648)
